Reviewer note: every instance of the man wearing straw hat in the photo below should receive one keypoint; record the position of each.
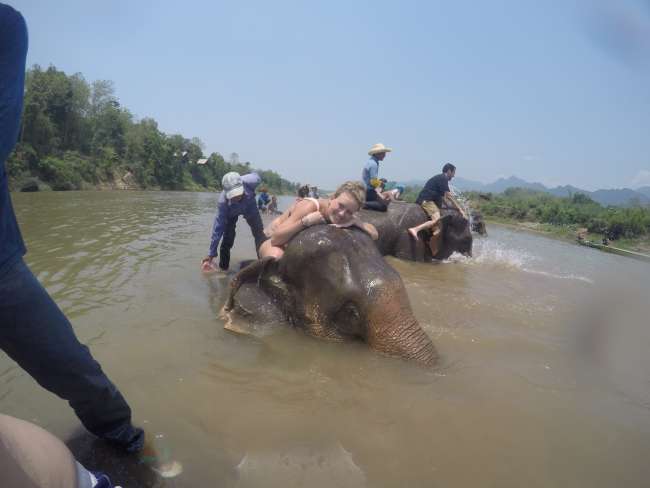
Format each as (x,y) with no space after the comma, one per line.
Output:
(370,176)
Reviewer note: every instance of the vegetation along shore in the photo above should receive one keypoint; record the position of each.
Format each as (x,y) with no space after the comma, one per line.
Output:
(76,135)
(626,227)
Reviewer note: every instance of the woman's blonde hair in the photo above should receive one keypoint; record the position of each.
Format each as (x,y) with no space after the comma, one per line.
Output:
(355,189)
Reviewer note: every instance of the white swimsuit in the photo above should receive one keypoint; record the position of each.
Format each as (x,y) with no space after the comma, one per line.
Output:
(269,230)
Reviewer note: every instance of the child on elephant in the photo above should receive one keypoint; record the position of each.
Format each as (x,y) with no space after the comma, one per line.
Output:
(340,211)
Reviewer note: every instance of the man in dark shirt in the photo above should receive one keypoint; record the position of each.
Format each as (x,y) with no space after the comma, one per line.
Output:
(436,188)
(435,191)
(33,330)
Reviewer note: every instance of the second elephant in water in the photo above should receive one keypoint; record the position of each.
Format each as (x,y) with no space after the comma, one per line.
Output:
(394,239)
(335,284)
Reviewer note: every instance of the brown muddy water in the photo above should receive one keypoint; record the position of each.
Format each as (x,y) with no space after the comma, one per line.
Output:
(544,380)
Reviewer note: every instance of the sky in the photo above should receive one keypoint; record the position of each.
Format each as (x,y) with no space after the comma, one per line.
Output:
(551,91)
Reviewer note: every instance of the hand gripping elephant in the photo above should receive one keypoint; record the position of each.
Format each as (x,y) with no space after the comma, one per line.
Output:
(334,284)
(394,239)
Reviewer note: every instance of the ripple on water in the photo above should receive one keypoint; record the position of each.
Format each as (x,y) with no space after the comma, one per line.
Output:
(504,378)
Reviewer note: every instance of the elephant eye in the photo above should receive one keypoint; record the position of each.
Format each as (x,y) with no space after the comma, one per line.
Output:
(348,319)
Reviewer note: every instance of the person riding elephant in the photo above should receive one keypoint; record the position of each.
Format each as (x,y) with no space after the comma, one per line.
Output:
(395,240)
(435,192)
(333,283)
(370,176)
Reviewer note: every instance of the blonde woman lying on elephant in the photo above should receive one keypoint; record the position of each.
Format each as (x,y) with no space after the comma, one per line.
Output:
(340,211)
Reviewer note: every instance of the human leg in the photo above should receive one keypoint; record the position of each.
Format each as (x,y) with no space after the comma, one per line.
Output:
(373,202)
(254,220)
(414,230)
(269,250)
(227,242)
(433,212)
(37,335)
(31,457)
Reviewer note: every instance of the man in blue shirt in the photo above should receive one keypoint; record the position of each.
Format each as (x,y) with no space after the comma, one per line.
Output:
(237,198)
(370,176)
(263,199)
(33,330)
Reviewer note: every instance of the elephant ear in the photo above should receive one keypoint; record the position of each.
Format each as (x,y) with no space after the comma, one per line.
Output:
(253,272)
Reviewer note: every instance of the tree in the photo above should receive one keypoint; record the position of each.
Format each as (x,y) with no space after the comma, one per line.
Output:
(74,133)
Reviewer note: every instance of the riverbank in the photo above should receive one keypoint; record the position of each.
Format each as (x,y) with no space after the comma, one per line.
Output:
(126,182)
(568,233)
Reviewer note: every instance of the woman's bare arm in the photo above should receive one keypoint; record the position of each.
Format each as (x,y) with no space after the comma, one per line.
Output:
(370,229)
(292,224)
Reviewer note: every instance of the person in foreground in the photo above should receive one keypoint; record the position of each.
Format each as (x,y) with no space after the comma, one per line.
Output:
(370,176)
(237,198)
(34,332)
(340,211)
(435,191)
(31,457)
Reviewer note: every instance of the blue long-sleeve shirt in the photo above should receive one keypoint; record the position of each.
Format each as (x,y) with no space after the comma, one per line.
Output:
(263,199)
(228,209)
(370,171)
(13,50)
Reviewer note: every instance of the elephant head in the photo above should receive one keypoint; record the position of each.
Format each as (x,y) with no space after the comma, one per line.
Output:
(456,234)
(335,284)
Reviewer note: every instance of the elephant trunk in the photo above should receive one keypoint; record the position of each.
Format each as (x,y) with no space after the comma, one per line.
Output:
(396,332)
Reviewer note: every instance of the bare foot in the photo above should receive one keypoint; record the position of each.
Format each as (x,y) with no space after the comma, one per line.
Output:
(413,233)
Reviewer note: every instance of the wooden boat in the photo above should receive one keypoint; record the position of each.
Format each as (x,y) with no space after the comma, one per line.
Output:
(614,250)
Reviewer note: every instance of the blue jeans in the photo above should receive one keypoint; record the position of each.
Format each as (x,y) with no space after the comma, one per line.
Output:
(373,202)
(228,240)
(35,333)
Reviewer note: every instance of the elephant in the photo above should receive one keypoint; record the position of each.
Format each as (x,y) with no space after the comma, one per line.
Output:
(478,224)
(394,240)
(334,284)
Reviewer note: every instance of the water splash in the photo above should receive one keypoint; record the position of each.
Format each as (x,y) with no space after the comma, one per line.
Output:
(495,253)
(463,201)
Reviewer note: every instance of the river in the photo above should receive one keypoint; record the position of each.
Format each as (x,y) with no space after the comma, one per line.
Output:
(544,378)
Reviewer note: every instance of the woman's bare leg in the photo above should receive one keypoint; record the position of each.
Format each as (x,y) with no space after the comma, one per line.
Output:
(269,250)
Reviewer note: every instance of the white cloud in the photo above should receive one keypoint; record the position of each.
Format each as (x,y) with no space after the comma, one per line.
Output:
(642,178)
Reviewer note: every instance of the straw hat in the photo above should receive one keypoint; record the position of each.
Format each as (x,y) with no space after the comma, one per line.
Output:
(379,148)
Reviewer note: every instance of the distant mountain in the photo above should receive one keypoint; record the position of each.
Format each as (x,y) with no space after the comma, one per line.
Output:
(617,197)
(463,184)
(624,196)
(503,184)
(644,190)
(565,191)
